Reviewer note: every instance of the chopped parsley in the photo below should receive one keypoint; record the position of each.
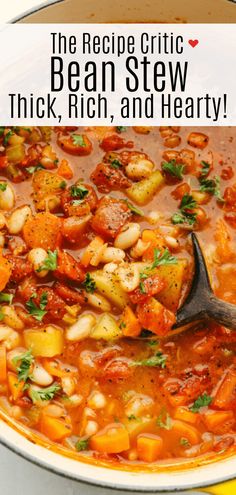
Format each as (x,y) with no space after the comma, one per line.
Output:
(153,342)
(121,128)
(211,186)
(82,444)
(134,209)
(160,259)
(50,263)
(7,137)
(201,401)
(78,140)
(164,421)
(44,393)
(2,129)
(23,370)
(205,169)
(158,359)
(115,164)
(79,191)
(185,216)
(184,442)
(132,417)
(63,184)
(37,312)
(3,186)
(122,325)
(174,169)
(31,170)
(1,314)
(89,284)
(8,298)
(142,287)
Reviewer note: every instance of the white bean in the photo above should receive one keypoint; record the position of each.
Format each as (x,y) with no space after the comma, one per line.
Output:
(129,277)
(68,385)
(11,318)
(7,197)
(18,218)
(40,376)
(75,401)
(113,254)
(153,217)
(98,301)
(91,428)
(139,249)
(9,337)
(128,236)
(2,221)
(81,329)
(97,400)
(139,168)
(37,256)
(171,242)
(110,267)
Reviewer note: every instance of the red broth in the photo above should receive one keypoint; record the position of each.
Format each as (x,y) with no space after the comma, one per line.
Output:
(95,260)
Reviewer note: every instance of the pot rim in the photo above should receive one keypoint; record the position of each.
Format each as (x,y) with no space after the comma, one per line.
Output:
(34,10)
(90,474)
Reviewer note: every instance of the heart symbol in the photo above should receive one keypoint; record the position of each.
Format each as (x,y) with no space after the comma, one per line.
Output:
(193,43)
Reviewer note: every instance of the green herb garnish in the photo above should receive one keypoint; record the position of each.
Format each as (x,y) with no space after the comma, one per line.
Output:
(211,186)
(23,370)
(115,164)
(82,444)
(174,169)
(121,128)
(201,401)
(37,312)
(185,216)
(50,263)
(78,140)
(184,442)
(63,184)
(31,170)
(7,137)
(44,393)
(79,191)
(8,298)
(89,284)
(158,359)
(3,186)
(205,169)
(134,209)
(160,259)
(164,421)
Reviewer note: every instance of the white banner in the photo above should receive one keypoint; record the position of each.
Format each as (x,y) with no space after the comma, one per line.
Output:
(119,74)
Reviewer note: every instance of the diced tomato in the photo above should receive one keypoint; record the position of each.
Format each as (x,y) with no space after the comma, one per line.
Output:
(73,228)
(20,267)
(55,306)
(68,267)
(69,295)
(117,370)
(110,216)
(230,196)
(227,173)
(181,190)
(115,142)
(230,218)
(27,288)
(64,170)
(77,144)
(155,317)
(71,206)
(3,162)
(107,178)
(147,288)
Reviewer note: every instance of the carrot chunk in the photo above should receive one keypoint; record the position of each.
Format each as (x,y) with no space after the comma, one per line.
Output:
(149,447)
(43,230)
(5,272)
(185,414)
(129,323)
(3,363)
(15,387)
(64,170)
(54,428)
(111,440)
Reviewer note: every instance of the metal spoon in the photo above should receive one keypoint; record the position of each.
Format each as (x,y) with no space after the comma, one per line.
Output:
(201,304)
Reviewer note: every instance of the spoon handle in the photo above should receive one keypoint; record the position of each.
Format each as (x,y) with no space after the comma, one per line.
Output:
(222,312)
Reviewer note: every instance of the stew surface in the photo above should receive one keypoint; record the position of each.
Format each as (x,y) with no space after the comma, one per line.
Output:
(95,259)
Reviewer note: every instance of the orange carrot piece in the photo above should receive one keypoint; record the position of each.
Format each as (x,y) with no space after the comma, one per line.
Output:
(177,400)
(186,415)
(185,430)
(16,387)
(64,170)
(43,230)
(225,392)
(91,249)
(129,323)
(5,272)
(54,428)
(111,440)
(3,363)
(149,447)
(217,418)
